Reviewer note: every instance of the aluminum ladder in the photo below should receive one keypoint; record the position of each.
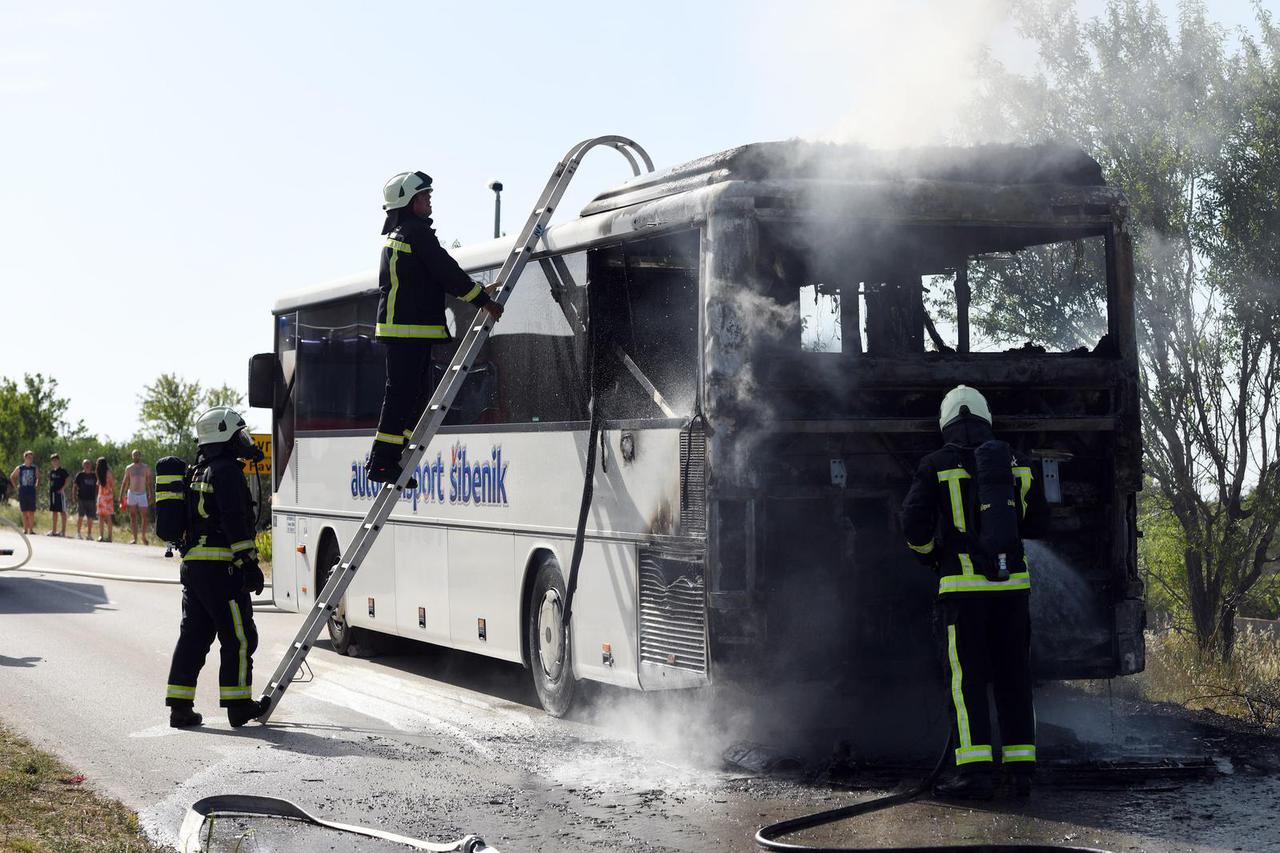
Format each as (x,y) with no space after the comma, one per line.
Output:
(433,416)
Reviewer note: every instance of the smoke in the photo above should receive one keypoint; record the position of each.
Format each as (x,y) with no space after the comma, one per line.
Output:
(889,74)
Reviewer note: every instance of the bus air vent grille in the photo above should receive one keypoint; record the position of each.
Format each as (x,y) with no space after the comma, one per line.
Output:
(693,478)
(673,611)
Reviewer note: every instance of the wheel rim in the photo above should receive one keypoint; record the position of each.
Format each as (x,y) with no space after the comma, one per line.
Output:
(551,635)
(338,617)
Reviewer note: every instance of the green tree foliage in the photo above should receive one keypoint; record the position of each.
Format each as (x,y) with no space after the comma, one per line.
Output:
(224,395)
(30,411)
(1188,128)
(169,407)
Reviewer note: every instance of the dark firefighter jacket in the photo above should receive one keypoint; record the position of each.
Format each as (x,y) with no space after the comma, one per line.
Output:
(941,504)
(414,276)
(219,512)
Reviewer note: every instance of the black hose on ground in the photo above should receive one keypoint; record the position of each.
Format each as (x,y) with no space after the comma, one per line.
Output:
(768,836)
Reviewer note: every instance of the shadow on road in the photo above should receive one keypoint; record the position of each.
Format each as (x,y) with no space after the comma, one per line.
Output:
(290,737)
(41,595)
(5,660)
(497,678)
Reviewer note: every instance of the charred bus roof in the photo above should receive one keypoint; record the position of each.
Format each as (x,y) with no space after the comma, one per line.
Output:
(1044,186)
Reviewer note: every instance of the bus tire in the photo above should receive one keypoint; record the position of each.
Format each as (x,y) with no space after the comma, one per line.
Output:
(342,636)
(550,656)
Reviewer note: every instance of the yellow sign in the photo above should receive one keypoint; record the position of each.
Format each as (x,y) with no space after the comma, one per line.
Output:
(263,440)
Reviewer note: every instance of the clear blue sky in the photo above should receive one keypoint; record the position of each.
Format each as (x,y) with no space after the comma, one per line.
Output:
(169,170)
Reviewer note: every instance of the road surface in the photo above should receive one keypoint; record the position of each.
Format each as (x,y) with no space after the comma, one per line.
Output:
(435,744)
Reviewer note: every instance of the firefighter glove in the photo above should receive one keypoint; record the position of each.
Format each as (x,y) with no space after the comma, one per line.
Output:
(252,579)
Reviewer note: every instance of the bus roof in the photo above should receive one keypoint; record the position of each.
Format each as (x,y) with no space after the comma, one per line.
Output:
(998,183)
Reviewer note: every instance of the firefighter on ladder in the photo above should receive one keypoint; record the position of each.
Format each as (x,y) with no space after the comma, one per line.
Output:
(415,274)
(219,571)
(969,505)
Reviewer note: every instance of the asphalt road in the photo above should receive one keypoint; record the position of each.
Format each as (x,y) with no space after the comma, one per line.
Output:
(435,744)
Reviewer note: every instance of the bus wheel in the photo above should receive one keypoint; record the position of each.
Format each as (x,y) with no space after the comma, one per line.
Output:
(550,659)
(342,636)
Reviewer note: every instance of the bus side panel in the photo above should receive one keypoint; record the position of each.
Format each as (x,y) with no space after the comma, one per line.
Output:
(284,560)
(604,613)
(422,583)
(482,586)
(371,598)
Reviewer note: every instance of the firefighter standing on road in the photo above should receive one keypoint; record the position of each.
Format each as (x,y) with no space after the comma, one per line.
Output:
(219,571)
(415,274)
(968,508)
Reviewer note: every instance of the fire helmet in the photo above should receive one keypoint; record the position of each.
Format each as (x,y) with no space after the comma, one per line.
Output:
(959,398)
(218,425)
(400,189)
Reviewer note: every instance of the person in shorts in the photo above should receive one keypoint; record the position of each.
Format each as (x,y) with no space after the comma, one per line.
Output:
(137,493)
(26,479)
(58,477)
(85,486)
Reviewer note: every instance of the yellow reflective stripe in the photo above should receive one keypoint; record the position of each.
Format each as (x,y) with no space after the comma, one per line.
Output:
(209,552)
(388,438)
(395,281)
(971,754)
(922,549)
(1024,476)
(957,694)
(199,486)
(399,246)
(242,545)
(952,477)
(401,330)
(179,691)
(978,583)
(244,646)
(235,692)
(966,566)
(472,293)
(167,496)
(167,478)
(1018,752)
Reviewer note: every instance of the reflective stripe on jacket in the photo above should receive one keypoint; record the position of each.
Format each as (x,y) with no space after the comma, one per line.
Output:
(936,516)
(220,512)
(415,274)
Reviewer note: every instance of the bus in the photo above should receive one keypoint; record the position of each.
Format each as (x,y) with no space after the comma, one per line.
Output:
(766,333)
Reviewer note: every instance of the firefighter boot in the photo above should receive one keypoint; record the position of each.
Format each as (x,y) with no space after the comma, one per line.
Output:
(184,716)
(974,785)
(384,465)
(243,710)
(1020,783)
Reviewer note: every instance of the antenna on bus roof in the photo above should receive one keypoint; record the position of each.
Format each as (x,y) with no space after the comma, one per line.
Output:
(344,572)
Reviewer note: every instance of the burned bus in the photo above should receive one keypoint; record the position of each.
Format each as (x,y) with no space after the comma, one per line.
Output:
(772,329)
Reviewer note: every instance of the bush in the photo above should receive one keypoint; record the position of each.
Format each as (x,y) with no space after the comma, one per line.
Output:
(1248,688)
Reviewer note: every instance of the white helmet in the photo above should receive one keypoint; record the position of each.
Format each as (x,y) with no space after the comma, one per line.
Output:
(400,189)
(217,425)
(963,396)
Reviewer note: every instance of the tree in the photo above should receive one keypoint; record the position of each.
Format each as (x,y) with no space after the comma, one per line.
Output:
(169,407)
(1190,134)
(31,411)
(224,395)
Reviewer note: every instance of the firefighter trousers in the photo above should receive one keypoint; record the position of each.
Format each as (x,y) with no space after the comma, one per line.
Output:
(988,646)
(213,605)
(407,392)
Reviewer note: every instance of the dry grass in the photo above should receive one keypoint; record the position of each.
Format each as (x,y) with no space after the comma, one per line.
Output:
(1248,688)
(46,808)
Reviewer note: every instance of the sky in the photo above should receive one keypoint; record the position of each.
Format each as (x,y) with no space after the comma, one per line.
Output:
(168,171)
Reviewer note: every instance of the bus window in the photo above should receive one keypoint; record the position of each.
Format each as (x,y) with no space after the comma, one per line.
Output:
(644,309)
(283,416)
(531,369)
(341,367)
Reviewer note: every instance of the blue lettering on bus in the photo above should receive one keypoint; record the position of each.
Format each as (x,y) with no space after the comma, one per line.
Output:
(477,483)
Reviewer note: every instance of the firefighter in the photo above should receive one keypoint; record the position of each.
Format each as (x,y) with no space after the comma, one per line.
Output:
(219,571)
(415,274)
(969,506)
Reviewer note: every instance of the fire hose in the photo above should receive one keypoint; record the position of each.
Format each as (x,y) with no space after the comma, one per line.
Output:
(8,552)
(196,834)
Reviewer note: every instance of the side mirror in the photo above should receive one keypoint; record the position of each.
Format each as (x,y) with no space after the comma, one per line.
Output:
(263,369)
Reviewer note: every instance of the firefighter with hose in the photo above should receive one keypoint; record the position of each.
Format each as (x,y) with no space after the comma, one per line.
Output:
(219,571)
(969,506)
(415,273)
